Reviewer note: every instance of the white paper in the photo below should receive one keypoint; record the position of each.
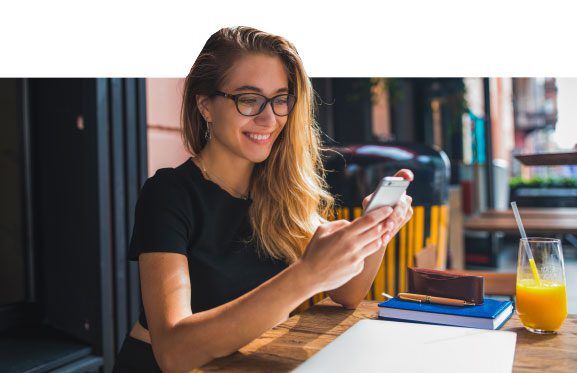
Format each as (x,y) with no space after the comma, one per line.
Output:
(387,346)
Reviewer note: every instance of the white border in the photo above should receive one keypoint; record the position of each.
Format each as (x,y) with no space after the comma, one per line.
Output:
(362,38)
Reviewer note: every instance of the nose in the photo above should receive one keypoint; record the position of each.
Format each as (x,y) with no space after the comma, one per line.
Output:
(267,117)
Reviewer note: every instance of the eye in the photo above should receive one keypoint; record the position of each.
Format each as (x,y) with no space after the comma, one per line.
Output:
(247,100)
(281,100)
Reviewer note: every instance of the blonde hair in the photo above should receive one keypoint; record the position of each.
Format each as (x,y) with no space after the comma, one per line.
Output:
(289,192)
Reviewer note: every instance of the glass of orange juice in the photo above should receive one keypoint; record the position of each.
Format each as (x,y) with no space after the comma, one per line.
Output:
(541,295)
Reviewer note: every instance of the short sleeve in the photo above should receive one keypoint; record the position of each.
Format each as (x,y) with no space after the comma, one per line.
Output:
(163,218)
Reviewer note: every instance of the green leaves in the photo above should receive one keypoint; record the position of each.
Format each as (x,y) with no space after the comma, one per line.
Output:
(543,182)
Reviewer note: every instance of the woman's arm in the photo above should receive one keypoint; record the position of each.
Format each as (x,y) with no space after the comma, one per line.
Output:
(353,292)
(182,340)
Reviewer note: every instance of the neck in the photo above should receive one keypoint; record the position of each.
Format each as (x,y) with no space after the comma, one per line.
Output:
(226,166)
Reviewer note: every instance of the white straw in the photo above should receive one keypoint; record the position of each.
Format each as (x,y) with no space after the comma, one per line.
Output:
(522,230)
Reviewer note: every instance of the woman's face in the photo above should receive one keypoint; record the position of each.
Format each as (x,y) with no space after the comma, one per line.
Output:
(254,73)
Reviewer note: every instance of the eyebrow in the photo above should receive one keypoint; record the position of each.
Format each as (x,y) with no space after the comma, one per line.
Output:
(253,88)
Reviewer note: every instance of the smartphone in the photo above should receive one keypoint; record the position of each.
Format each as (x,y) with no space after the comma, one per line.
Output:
(388,193)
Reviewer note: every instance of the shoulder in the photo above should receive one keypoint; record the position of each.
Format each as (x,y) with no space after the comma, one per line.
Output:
(164,219)
(164,180)
(166,188)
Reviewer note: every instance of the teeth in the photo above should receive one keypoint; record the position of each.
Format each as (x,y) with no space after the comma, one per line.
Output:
(258,137)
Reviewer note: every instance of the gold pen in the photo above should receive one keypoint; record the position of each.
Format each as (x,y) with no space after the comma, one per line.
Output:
(436,300)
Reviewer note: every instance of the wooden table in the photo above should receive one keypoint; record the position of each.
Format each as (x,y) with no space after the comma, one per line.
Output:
(548,159)
(535,220)
(534,213)
(286,346)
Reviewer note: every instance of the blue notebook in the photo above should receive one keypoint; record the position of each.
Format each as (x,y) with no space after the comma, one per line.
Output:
(491,315)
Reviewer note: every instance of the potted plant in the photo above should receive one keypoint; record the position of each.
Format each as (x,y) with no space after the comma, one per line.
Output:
(544,191)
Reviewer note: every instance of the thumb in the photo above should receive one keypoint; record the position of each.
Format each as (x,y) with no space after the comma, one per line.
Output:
(334,226)
(406,174)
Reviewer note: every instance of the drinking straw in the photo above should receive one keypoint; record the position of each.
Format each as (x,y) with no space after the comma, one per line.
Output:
(526,244)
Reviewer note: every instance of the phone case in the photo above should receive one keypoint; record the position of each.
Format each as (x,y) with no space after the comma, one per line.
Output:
(388,193)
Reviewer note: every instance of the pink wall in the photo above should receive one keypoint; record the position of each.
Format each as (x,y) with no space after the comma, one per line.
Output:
(381,112)
(502,120)
(163,100)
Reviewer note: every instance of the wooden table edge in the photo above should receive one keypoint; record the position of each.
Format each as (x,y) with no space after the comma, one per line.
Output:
(290,343)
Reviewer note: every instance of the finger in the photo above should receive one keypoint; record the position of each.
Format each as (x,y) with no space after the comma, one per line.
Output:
(371,219)
(406,218)
(403,205)
(369,235)
(401,212)
(366,200)
(373,246)
(408,213)
(333,226)
(397,216)
(389,225)
(406,174)
(386,238)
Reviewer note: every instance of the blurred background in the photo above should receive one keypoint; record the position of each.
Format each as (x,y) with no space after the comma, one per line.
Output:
(75,152)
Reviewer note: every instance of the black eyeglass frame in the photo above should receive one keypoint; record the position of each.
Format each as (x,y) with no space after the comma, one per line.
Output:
(267,100)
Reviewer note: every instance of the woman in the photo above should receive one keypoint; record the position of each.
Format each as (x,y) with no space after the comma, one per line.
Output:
(235,238)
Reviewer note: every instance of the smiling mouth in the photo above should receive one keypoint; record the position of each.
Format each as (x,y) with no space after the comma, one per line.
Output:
(258,138)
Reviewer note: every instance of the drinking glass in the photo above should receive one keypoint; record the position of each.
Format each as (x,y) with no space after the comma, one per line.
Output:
(541,294)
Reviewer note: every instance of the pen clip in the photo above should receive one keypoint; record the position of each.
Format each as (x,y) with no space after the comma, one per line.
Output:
(387,295)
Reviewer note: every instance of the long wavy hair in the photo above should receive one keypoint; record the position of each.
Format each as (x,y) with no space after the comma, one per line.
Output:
(290,197)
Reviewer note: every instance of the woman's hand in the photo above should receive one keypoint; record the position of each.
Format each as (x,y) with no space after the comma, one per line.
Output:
(337,250)
(402,212)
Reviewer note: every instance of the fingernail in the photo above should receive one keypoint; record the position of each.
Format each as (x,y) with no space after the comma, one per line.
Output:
(380,242)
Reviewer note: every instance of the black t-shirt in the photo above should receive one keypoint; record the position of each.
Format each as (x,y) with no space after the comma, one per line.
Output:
(179,211)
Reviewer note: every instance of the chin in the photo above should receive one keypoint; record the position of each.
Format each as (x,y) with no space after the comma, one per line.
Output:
(258,158)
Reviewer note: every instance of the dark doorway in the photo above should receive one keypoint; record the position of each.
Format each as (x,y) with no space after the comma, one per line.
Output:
(73,157)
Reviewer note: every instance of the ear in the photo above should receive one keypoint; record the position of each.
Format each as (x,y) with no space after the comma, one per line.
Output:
(203,103)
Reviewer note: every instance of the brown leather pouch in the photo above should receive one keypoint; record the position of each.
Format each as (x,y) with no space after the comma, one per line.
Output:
(448,285)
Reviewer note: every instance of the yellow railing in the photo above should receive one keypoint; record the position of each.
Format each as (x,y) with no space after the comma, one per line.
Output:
(415,235)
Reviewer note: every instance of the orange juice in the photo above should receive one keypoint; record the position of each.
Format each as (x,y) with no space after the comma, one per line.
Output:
(541,306)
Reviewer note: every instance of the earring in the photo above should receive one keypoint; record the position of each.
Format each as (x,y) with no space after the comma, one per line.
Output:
(207,131)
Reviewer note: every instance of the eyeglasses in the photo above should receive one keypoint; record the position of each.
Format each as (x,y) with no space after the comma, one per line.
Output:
(251,104)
